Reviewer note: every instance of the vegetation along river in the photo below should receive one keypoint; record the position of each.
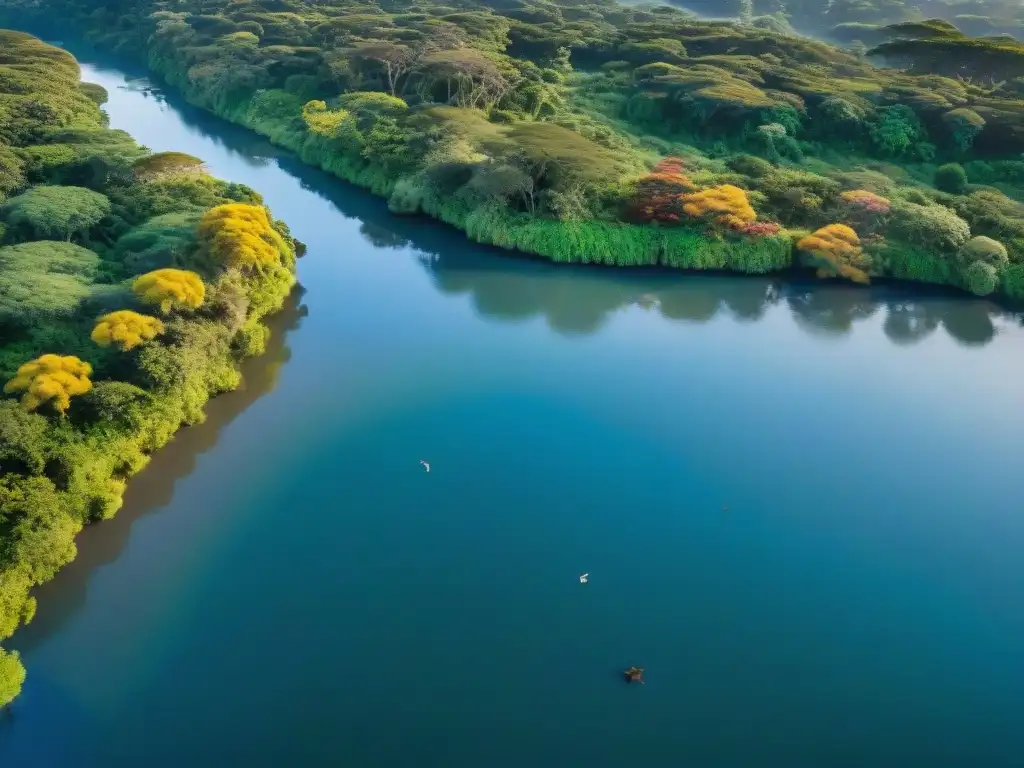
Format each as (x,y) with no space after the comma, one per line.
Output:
(800,508)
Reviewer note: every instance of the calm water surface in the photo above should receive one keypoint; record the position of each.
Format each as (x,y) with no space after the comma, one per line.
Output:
(287,587)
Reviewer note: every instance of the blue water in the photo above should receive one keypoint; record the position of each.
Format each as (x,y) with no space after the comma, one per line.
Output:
(287,586)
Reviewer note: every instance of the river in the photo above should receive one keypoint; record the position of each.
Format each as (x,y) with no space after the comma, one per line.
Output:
(799,505)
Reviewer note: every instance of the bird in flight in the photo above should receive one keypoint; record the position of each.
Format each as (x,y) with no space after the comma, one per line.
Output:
(425,465)
(584,577)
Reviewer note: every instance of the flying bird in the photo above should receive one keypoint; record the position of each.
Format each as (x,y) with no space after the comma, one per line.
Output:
(425,465)
(584,577)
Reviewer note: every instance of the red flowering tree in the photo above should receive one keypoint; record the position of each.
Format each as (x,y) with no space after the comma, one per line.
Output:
(656,196)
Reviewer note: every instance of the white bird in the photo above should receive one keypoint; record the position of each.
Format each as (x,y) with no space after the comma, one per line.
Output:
(583,578)
(425,465)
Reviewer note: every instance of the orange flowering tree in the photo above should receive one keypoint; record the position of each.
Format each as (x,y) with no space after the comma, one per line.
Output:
(126,329)
(725,204)
(50,379)
(835,251)
(170,288)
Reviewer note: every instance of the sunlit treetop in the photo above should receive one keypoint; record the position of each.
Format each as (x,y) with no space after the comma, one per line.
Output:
(726,204)
(242,236)
(53,379)
(170,289)
(126,329)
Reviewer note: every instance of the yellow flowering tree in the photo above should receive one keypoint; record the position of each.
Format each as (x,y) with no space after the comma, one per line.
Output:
(241,236)
(726,204)
(126,329)
(169,288)
(321,120)
(51,379)
(835,250)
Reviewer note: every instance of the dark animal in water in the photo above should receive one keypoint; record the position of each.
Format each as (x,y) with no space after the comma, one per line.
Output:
(634,675)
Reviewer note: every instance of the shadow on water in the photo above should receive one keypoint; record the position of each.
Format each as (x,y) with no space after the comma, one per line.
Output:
(153,488)
(578,299)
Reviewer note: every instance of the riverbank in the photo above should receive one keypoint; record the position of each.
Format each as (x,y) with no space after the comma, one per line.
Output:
(133,285)
(840,200)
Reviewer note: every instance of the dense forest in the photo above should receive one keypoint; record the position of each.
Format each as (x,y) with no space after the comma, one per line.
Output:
(841,19)
(626,134)
(131,285)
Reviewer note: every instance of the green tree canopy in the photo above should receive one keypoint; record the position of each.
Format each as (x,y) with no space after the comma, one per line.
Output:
(50,212)
(43,279)
(12,675)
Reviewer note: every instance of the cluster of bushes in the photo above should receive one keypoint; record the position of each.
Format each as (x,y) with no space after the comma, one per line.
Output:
(131,285)
(860,19)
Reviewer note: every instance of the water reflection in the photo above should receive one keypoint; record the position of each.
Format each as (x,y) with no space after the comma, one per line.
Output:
(153,488)
(578,300)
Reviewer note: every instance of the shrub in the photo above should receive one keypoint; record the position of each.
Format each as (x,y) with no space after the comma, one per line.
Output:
(930,226)
(164,164)
(986,250)
(759,229)
(750,165)
(835,251)
(726,205)
(981,278)
(657,195)
(951,178)
(115,403)
(866,202)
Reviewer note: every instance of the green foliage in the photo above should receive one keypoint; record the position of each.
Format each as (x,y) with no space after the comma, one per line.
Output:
(897,132)
(165,164)
(986,250)
(488,113)
(12,171)
(12,675)
(114,403)
(167,240)
(48,212)
(43,281)
(981,278)
(23,440)
(951,178)
(929,226)
(97,94)
(79,418)
(964,126)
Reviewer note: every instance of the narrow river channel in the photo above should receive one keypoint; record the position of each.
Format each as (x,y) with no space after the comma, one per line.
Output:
(800,508)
